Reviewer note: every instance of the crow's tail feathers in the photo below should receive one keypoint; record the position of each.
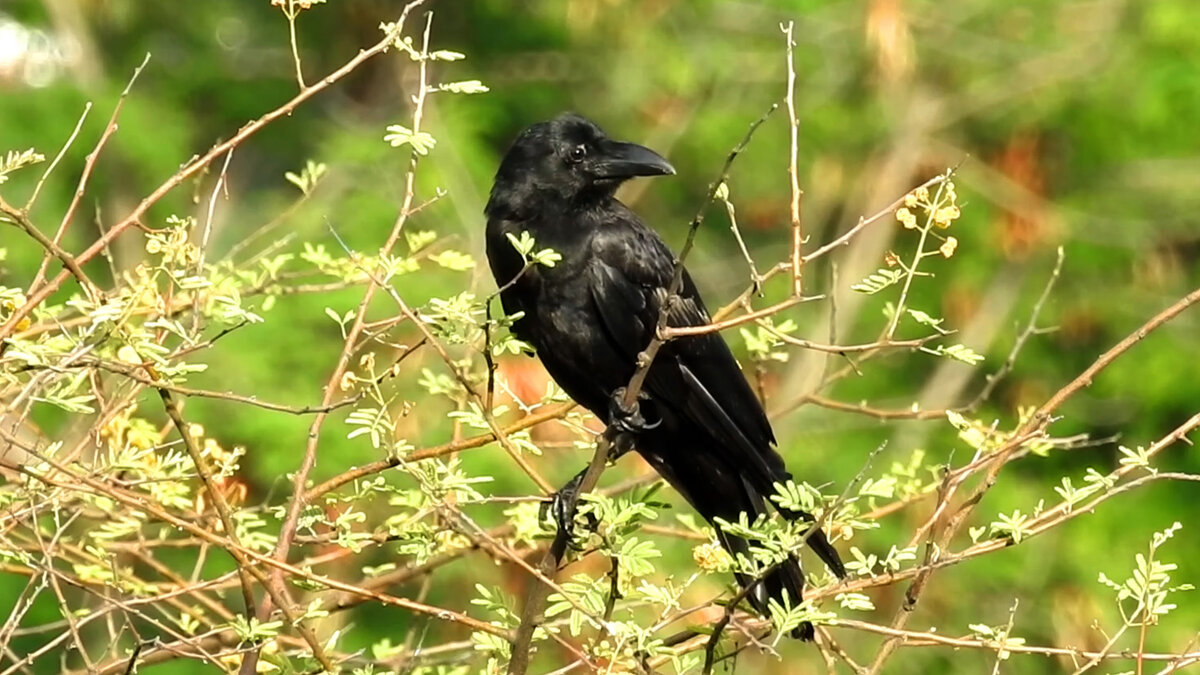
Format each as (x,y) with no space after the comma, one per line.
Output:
(707,482)
(786,580)
(820,545)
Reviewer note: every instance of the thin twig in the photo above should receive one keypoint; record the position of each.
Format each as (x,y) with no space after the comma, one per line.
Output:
(88,166)
(199,164)
(87,107)
(287,531)
(797,193)
(291,11)
(217,497)
(1030,330)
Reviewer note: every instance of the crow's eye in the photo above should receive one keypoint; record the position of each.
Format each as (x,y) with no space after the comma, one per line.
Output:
(577,153)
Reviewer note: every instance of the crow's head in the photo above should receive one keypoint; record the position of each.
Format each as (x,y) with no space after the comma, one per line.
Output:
(567,160)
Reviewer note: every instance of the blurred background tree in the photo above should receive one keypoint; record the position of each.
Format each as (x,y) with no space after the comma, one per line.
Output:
(1072,123)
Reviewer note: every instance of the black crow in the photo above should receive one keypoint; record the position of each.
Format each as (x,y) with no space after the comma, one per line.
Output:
(698,422)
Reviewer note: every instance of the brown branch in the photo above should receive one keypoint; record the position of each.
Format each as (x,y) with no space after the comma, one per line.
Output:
(79,481)
(926,639)
(1030,330)
(245,570)
(1039,419)
(288,529)
(844,239)
(841,240)
(199,164)
(88,166)
(797,193)
(549,413)
(869,411)
(37,189)
(672,332)
(20,218)
(130,372)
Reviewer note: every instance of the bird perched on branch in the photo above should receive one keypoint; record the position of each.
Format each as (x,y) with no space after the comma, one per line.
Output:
(696,420)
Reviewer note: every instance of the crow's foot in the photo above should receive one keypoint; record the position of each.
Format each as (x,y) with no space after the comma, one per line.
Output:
(562,506)
(628,419)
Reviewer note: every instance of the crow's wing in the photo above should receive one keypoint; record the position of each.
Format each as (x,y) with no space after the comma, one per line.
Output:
(629,273)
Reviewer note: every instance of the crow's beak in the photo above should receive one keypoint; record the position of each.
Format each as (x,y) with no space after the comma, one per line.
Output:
(626,160)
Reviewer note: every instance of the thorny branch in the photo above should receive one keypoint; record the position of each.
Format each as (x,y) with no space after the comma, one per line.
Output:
(65,486)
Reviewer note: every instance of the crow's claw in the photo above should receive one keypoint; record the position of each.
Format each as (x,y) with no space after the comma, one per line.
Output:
(628,419)
(562,505)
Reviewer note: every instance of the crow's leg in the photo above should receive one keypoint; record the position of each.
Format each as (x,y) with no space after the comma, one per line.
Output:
(562,505)
(624,425)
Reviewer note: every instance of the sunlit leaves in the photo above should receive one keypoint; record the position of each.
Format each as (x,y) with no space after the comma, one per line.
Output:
(14,160)
(958,353)
(308,177)
(999,637)
(878,280)
(863,564)
(1137,457)
(1014,525)
(398,135)
(855,602)
(253,630)
(1144,597)
(374,423)
(763,341)
(446,55)
(463,87)
(419,239)
(454,260)
(788,615)
(525,246)
(584,599)
(925,319)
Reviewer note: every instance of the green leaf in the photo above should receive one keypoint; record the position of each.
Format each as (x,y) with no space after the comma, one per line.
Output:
(398,135)
(14,160)
(958,353)
(878,281)
(454,260)
(927,320)
(464,87)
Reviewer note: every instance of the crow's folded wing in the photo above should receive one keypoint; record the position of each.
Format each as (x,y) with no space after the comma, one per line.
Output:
(629,274)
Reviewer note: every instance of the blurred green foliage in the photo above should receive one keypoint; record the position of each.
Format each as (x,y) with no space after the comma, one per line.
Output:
(1072,121)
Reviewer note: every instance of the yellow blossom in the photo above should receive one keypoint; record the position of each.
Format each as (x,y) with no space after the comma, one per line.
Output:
(907,218)
(347,382)
(450,541)
(946,215)
(10,302)
(948,246)
(367,361)
(711,557)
